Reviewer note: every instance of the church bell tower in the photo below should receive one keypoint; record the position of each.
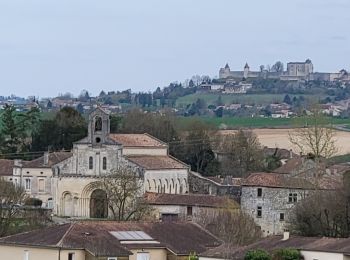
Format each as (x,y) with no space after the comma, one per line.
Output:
(99,126)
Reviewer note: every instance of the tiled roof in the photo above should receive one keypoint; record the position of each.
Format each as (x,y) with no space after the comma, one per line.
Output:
(157,162)
(321,244)
(54,158)
(290,165)
(189,200)
(6,167)
(137,140)
(95,237)
(276,180)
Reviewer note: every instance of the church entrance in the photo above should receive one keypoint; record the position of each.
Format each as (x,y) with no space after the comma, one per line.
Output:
(98,204)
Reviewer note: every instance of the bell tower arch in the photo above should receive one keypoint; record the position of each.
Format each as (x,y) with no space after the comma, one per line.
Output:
(99,126)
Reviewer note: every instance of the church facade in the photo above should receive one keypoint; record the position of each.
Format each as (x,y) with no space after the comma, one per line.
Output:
(71,178)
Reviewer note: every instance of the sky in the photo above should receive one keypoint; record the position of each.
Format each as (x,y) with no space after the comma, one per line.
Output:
(49,47)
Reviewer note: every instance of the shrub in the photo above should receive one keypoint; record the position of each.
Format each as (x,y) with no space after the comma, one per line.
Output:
(33,202)
(286,254)
(257,255)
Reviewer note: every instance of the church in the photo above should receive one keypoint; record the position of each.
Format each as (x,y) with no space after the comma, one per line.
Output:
(66,181)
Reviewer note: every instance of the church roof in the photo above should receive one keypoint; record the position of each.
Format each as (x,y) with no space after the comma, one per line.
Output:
(6,167)
(54,158)
(203,200)
(97,237)
(137,140)
(157,162)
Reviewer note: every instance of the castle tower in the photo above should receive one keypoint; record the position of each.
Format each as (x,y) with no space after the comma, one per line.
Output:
(99,126)
(246,71)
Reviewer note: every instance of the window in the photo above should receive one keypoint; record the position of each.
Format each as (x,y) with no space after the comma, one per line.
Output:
(293,197)
(189,211)
(104,163)
(28,185)
(281,216)
(71,256)
(50,203)
(26,255)
(259,192)
(259,212)
(143,256)
(91,163)
(41,185)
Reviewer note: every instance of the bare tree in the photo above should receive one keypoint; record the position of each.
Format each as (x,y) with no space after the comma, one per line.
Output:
(11,197)
(316,136)
(231,225)
(123,188)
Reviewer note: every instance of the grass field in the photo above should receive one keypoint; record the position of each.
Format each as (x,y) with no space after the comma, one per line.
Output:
(258,99)
(249,122)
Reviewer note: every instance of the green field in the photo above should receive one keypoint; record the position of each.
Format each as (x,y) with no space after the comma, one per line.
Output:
(249,122)
(247,99)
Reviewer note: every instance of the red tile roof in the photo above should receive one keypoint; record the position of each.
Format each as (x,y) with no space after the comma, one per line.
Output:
(276,180)
(54,158)
(157,162)
(137,140)
(95,237)
(189,200)
(6,167)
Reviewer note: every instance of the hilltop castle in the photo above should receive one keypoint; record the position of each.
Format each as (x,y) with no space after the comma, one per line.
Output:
(295,71)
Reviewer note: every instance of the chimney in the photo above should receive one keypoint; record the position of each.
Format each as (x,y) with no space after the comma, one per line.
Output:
(46,158)
(290,154)
(285,235)
(17,163)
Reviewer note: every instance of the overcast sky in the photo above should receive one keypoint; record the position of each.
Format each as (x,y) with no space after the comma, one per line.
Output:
(56,46)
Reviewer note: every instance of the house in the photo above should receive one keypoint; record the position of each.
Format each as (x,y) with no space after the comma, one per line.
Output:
(269,197)
(106,240)
(217,186)
(186,206)
(311,248)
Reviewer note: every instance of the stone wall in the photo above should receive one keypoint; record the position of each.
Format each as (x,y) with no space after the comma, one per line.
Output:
(273,202)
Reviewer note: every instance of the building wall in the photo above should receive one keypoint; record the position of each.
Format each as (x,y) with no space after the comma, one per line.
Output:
(157,254)
(313,255)
(35,175)
(18,253)
(273,202)
(173,181)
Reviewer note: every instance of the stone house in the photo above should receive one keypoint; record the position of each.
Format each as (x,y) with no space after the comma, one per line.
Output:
(36,176)
(217,186)
(269,197)
(175,207)
(104,240)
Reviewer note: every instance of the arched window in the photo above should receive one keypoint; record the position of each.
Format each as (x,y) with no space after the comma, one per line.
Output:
(149,185)
(91,163)
(98,123)
(104,163)
(155,185)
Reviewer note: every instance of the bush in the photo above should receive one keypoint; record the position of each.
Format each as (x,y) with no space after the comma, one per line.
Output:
(286,254)
(33,202)
(257,255)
